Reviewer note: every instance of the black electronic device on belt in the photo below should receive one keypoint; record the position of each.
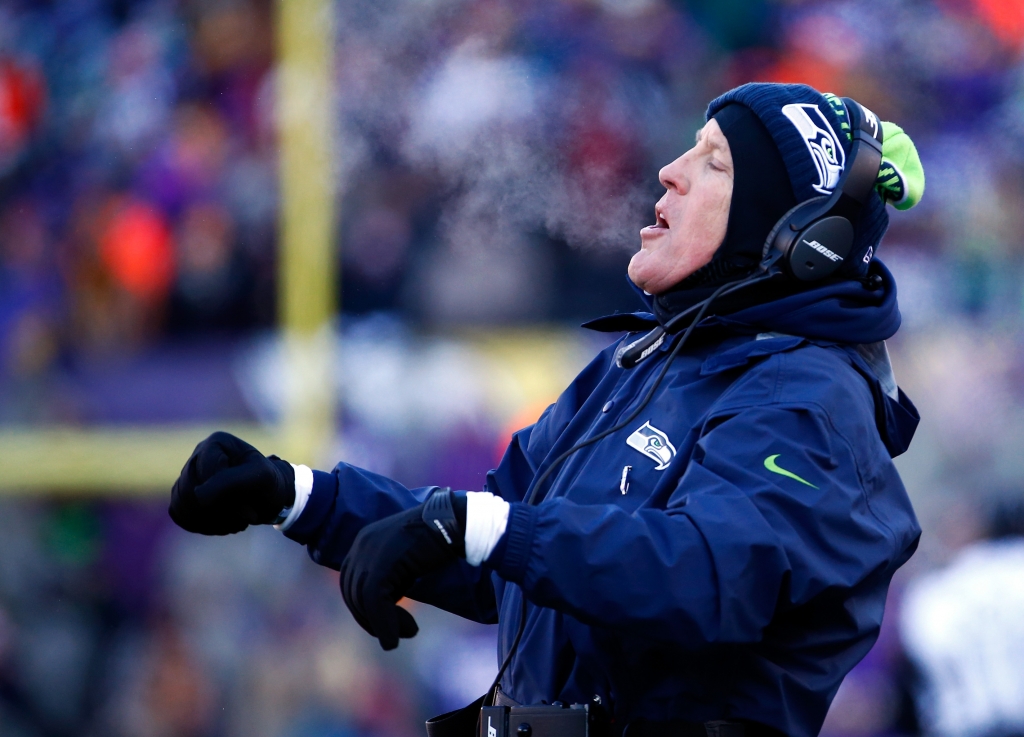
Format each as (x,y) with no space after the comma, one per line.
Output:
(537,721)
(590,720)
(809,243)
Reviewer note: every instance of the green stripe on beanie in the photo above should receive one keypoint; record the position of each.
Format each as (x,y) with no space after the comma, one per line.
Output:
(900,180)
(839,108)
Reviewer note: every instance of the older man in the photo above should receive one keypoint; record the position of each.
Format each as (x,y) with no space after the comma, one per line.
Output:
(700,533)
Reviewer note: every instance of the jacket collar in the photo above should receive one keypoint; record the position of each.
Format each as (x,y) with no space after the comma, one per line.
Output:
(843,312)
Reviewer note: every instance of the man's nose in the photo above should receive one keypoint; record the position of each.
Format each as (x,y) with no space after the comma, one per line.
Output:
(673,176)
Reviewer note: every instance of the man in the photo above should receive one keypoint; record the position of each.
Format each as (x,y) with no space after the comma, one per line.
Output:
(708,535)
(962,627)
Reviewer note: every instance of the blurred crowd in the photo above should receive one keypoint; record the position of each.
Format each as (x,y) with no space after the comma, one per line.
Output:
(495,160)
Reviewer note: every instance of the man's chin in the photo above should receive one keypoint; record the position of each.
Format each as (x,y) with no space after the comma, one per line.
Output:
(646,282)
(635,270)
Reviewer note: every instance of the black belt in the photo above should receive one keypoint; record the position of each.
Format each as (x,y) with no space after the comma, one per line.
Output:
(676,728)
(463,723)
(503,699)
(714,728)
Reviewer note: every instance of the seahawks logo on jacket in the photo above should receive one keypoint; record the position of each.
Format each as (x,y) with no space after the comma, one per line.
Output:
(822,143)
(654,444)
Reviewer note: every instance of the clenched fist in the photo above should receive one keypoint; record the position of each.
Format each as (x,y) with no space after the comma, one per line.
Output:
(227,485)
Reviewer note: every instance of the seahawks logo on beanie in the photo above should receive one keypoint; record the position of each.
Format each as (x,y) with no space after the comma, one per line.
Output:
(821,141)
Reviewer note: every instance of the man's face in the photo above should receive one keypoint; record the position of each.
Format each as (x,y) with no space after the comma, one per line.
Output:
(691,217)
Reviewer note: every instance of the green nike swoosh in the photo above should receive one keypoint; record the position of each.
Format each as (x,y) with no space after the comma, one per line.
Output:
(769,463)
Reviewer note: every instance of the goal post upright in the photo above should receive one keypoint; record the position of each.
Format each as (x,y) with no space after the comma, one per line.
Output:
(307,267)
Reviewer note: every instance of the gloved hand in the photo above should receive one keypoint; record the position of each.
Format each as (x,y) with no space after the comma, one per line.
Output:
(227,485)
(389,555)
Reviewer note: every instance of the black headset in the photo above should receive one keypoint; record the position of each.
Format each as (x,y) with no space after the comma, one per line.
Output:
(809,243)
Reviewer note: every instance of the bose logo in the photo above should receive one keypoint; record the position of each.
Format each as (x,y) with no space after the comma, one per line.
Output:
(652,348)
(830,255)
(491,731)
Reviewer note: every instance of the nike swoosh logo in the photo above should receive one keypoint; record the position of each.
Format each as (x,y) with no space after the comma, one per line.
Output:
(770,464)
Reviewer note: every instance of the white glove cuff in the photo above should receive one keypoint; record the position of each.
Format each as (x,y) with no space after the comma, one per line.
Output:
(303,488)
(486,518)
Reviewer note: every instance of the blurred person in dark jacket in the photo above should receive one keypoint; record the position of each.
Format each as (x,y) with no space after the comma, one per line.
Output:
(962,628)
(212,289)
(685,536)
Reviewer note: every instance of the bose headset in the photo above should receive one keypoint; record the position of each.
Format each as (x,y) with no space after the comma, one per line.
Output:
(808,244)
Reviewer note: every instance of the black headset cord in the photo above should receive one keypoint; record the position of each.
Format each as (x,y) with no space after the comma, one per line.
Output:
(533,497)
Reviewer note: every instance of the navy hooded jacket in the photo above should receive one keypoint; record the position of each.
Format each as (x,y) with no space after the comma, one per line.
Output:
(727,557)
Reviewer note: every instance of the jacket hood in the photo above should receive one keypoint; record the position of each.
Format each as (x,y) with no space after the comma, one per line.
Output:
(857,318)
(844,312)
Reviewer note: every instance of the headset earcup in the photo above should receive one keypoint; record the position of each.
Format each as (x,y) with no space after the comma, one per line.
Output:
(819,250)
(781,236)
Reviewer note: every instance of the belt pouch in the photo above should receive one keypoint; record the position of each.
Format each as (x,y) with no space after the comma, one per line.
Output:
(534,721)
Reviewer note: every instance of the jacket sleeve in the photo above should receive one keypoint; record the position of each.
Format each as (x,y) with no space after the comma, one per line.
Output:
(736,540)
(343,501)
(348,498)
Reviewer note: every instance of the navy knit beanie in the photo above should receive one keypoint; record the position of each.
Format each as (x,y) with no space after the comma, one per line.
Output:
(761,193)
(804,128)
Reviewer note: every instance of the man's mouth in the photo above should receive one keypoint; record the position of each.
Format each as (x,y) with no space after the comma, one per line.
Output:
(659,218)
(660,223)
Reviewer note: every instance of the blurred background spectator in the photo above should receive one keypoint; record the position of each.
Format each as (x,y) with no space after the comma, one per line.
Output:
(495,160)
(963,629)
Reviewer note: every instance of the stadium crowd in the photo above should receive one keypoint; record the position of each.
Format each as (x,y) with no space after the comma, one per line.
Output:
(495,160)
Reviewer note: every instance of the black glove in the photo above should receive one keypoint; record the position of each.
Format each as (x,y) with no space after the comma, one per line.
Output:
(388,556)
(228,485)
